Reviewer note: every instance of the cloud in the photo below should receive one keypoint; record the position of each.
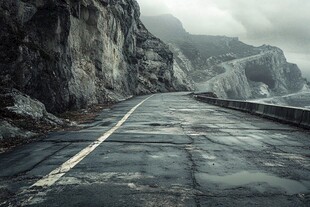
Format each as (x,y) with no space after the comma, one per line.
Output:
(153,8)
(283,23)
(197,16)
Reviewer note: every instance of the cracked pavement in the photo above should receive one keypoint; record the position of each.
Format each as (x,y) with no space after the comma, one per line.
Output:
(172,151)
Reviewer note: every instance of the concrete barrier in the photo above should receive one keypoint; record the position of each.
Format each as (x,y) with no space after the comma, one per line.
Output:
(290,115)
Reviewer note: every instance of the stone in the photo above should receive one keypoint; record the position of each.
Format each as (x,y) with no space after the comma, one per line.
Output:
(74,53)
(8,131)
(15,104)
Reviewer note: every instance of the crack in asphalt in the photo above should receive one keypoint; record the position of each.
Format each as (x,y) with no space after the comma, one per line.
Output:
(192,164)
(37,164)
(215,142)
(14,200)
(193,167)
(275,148)
(67,141)
(140,142)
(191,150)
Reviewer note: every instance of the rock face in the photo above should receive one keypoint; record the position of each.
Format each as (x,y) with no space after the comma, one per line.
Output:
(72,53)
(14,104)
(225,65)
(264,75)
(8,131)
(23,117)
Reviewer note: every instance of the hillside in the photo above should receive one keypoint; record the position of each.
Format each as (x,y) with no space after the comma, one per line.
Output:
(225,65)
(65,55)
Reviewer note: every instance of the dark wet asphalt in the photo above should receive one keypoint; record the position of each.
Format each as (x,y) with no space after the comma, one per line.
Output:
(172,151)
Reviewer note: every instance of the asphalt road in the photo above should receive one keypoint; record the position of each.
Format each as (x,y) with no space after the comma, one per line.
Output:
(171,151)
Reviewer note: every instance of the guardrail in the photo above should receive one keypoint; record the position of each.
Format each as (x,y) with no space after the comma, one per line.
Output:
(290,115)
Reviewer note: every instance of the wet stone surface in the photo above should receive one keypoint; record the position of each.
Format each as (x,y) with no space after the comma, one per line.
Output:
(172,151)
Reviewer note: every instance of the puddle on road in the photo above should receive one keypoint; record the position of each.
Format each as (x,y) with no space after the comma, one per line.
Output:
(92,177)
(243,178)
(164,156)
(270,164)
(159,130)
(208,157)
(289,156)
(192,110)
(162,124)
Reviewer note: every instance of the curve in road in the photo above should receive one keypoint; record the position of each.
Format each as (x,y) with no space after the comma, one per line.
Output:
(171,151)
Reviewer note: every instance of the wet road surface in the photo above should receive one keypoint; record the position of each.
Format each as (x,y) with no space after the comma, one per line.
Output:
(171,151)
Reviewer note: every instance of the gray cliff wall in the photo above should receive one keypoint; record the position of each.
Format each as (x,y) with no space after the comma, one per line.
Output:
(264,75)
(225,65)
(73,53)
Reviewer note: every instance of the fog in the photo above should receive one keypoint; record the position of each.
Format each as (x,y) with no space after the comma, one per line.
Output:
(282,23)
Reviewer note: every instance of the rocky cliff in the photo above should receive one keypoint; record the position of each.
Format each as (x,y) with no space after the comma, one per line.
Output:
(72,53)
(58,55)
(263,75)
(225,65)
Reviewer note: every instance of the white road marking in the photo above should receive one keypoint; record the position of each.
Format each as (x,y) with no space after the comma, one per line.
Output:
(56,174)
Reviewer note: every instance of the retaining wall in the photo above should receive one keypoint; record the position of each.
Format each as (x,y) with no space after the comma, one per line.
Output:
(291,115)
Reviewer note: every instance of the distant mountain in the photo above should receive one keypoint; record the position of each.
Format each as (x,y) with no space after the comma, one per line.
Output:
(225,65)
(166,26)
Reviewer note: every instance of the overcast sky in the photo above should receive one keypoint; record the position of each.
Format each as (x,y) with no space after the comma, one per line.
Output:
(282,23)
